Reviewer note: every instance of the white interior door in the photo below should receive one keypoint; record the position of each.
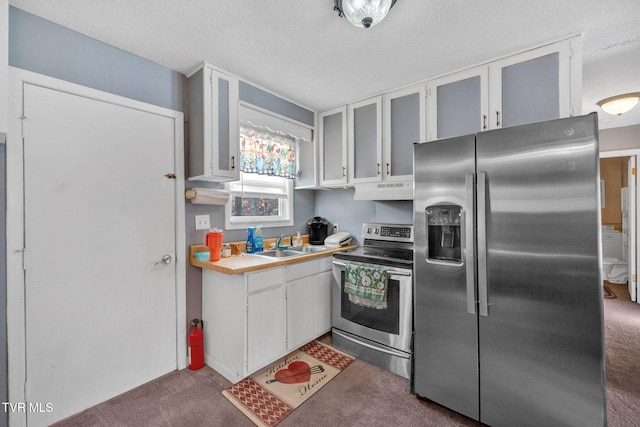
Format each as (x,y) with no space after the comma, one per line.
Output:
(633,239)
(99,216)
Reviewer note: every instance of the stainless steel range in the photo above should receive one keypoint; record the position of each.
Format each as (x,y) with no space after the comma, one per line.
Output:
(380,336)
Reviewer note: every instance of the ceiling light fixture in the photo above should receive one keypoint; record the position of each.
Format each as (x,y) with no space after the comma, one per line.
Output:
(620,104)
(363,13)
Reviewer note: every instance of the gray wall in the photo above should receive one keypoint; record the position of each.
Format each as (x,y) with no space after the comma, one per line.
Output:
(338,207)
(47,48)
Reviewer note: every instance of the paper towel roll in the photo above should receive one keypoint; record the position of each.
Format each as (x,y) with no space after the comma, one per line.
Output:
(207,196)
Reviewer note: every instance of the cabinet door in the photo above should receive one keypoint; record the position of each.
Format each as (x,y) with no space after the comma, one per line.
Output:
(322,288)
(531,87)
(404,125)
(265,327)
(365,141)
(333,146)
(223,118)
(213,126)
(301,306)
(458,104)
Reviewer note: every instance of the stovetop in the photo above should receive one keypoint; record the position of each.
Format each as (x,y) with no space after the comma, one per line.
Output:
(391,245)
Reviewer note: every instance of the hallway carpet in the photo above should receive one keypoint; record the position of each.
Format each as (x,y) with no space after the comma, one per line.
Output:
(375,397)
(622,337)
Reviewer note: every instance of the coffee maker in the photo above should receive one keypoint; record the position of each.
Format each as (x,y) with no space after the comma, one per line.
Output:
(318,230)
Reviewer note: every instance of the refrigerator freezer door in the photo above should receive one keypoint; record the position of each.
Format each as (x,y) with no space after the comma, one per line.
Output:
(445,369)
(541,344)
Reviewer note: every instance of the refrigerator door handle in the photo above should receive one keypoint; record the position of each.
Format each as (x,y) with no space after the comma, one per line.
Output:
(469,242)
(483,304)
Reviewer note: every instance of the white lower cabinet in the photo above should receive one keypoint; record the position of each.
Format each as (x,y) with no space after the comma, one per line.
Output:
(244,320)
(300,318)
(253,319)
(265,327)
(322,289)
(308,301)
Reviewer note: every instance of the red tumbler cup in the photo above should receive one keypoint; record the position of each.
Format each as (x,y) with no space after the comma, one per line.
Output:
(214,242)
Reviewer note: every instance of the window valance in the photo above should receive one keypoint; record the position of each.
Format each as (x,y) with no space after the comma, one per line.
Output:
(267,153)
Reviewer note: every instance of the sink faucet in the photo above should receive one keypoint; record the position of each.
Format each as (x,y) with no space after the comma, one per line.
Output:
(278,242)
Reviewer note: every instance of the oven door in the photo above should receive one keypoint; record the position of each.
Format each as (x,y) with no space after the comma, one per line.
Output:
(390,326)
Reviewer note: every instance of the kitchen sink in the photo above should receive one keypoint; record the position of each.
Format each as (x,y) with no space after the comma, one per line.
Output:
(291,251)
(308,249)
(279,253)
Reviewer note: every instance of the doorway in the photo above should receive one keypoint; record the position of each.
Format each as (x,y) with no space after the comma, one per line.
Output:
(93,308)
(619,217)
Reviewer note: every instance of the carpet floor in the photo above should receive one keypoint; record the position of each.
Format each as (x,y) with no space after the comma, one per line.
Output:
(376,397)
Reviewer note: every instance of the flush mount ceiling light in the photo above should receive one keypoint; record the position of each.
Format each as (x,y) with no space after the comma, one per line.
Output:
(363,13)
(620,104)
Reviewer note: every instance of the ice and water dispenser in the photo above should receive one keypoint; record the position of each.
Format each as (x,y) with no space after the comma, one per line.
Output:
(443,233)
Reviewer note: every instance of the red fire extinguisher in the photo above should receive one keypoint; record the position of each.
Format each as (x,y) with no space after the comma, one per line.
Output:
(195,341)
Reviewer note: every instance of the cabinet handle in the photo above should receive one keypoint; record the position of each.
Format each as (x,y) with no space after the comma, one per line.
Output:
(388,169)
(497,118)
(378,168)
(233,162)
(344,171)
(484,122)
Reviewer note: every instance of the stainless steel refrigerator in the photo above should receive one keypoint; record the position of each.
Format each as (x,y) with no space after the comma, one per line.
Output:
(508,310)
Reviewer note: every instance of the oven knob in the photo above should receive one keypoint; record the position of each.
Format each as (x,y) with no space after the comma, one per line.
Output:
(377,231)
(368,230)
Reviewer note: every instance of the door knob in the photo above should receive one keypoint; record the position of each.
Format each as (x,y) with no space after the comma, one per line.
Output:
(165,260)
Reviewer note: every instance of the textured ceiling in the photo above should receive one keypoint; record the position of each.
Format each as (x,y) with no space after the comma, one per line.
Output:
(302,50)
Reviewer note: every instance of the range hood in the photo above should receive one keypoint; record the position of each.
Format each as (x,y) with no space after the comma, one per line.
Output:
(401,190)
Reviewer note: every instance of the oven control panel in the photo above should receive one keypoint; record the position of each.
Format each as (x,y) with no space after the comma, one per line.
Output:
(392,232)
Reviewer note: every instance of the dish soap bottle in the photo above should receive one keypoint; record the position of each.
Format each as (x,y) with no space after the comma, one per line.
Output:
(258,244)
(250,241)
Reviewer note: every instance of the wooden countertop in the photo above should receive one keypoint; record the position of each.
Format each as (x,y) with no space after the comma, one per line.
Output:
(242,263)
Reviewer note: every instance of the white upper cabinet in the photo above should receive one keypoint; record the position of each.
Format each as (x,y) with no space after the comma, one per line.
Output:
(365,140)
(533,86)
(4,69)
(372,140)
(403,125)
(537,85)
(213,126)
(458,104)
(332,137)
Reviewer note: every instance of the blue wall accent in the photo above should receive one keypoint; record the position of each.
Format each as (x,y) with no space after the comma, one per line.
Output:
(268,101)
(43,47)
(338,207)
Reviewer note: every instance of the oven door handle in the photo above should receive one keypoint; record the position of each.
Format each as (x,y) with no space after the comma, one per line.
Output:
(407,273)
(373,347)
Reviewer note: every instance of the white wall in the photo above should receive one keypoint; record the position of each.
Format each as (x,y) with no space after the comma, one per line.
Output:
(623,138)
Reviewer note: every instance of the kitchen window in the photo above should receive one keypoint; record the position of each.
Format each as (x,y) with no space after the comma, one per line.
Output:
(259,200)
(268,151)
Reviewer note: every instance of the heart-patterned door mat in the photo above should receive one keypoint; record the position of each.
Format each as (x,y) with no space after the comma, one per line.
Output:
(270,394)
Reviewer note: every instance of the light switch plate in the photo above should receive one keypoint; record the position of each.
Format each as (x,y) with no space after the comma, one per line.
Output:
(203,222)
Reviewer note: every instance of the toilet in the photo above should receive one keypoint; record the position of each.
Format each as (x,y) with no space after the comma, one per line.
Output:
(614,268)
